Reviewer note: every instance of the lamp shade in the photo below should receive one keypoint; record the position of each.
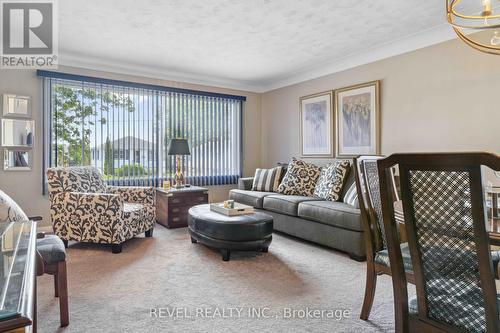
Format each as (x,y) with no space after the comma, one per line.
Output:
(179,147)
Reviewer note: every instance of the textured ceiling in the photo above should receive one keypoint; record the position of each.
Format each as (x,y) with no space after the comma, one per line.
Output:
(255,42)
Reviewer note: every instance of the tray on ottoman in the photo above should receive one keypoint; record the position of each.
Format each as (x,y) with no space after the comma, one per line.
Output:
(239,209)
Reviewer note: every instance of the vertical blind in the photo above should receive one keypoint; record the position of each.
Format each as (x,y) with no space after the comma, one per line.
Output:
(124,130)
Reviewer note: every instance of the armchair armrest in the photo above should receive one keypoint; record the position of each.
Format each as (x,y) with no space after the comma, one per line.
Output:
(245,183)
(87,216)
(137,194)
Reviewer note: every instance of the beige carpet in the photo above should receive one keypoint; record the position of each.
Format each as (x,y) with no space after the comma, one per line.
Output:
(115,293)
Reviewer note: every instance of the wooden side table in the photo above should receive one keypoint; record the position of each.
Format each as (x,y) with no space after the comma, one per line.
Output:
(172,205)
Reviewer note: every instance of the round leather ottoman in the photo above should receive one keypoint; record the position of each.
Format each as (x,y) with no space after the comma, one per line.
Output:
(252,232)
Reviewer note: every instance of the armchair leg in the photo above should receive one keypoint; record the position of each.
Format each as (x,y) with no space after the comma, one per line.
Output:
(65,243)
(149,233)
(62,283)
(116,248)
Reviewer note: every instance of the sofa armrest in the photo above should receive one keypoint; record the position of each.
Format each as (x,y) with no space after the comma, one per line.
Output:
(137,194)
(245,183)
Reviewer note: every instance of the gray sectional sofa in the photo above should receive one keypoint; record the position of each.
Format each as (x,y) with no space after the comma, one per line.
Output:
(333,224)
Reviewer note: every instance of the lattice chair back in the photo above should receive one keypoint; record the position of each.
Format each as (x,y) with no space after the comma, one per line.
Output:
(367,180)
(75,179)
(446,227)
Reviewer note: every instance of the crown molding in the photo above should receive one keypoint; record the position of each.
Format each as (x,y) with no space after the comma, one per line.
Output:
(435,35)
(109,65)
(432,36)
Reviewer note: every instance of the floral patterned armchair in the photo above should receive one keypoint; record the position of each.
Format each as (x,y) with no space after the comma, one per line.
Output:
(84,209)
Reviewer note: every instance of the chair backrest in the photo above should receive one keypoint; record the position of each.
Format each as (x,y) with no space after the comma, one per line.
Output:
(75,179)
(445,223)
(367,183)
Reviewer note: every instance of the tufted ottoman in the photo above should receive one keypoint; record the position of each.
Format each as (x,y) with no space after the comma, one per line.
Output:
(251,232)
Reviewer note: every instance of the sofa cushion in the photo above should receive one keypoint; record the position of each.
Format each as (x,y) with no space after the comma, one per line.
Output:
(337,214)
(300,179)
(285,204)
(250,198)
(331,180)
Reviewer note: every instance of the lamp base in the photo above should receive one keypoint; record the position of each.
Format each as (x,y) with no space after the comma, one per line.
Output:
(179,177)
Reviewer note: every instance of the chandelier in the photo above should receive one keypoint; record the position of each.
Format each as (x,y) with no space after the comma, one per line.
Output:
(476,23)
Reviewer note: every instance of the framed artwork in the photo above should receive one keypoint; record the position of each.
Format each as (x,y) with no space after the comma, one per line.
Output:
(357,118)
(316,125)
(15,105)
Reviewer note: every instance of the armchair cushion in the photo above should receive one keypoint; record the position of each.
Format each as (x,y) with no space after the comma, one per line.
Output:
(10,210)
(142,195)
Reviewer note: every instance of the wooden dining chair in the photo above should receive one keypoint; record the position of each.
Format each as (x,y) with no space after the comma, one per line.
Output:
(449,245)
(377,256)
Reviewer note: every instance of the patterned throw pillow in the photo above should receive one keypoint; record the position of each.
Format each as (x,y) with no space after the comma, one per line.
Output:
(351,196)
(331,180)
(300,179)
(9,210)
(267,180)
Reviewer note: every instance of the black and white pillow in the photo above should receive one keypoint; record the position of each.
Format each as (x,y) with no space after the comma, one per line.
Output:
(300,179)
(267,180)
(351,196)
(331,180)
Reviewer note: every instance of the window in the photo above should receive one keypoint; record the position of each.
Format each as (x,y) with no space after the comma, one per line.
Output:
(124,129)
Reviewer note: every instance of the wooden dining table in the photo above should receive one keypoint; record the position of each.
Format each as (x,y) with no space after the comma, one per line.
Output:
(492,225)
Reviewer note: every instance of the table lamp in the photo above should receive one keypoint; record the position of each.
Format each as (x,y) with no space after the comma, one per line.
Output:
(178,147)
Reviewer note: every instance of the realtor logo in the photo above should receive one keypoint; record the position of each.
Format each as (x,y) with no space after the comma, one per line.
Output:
(29,34)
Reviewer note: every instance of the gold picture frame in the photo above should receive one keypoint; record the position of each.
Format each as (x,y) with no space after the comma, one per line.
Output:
(316,125)
(357,120)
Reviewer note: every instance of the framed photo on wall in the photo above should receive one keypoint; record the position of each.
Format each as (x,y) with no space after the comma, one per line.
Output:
(357,118)
(316,125)
(15,105)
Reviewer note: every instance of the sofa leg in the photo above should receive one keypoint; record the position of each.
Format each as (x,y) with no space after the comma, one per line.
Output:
(149,233)
(265,249)
(65,243)
(116,248)
(357,258)
(194,241)
(225,254)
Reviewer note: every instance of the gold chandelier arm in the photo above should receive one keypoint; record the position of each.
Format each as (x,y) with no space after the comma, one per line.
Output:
(451,9)
(478,46)
(475,27)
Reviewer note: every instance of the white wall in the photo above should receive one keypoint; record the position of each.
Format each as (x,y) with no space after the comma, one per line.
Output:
(440,98)
(25,187)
